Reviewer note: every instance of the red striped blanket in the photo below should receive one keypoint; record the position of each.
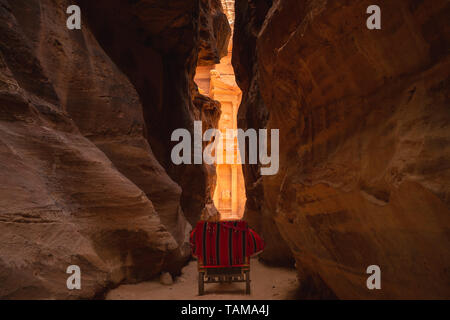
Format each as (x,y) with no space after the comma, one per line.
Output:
(224,243)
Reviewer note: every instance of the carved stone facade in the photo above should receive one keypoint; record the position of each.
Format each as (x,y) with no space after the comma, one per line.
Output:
(228,8)
(218,82)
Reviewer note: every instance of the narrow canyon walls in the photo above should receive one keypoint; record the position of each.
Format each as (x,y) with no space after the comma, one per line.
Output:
(218,82)
(85,122)
(253,113)
(158,45)
(364,141)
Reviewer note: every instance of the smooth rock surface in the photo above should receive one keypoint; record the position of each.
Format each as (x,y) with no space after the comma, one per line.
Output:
(81,181)
(364,125)
(158,45)
(166,279)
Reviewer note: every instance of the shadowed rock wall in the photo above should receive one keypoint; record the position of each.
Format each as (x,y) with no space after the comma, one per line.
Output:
(158,44)
(85,178)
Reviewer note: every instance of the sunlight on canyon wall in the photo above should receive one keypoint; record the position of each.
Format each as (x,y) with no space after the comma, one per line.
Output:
(218,82)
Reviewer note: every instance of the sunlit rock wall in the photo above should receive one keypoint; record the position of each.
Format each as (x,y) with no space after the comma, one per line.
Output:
(364,141)
(218,82)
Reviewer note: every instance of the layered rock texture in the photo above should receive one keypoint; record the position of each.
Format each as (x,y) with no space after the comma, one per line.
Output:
(364,141)
(86,118)
(85,123)
(158,45)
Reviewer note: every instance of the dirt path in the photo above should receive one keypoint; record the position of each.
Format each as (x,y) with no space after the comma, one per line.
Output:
(267,284)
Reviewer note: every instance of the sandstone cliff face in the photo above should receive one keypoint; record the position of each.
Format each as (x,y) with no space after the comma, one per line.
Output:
(159,53)
(83,159)
(364,141)
(253,113)
(215,32)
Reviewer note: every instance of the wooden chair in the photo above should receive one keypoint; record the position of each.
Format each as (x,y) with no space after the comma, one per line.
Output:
(223,275)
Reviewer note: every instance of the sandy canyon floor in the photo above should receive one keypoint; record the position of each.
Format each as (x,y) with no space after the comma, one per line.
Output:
(268,283)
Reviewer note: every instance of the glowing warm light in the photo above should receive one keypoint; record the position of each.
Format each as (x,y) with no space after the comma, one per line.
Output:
(218,82)
(229,195)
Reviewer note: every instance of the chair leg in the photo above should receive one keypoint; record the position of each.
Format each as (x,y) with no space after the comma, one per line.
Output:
(201,283)
(247,282)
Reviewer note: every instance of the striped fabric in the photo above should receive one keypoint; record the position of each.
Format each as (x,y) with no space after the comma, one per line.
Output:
(224,243)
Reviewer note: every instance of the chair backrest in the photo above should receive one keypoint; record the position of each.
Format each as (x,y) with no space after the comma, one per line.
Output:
(224,243)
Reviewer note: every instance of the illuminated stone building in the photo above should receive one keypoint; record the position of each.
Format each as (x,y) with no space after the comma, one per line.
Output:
(218,82)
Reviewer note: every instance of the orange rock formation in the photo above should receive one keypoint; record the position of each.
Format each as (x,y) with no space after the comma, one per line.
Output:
(218,82)
(364,124)
(85,124)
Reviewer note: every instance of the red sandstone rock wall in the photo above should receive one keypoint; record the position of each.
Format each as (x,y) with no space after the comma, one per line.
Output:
(253,113)
(85,118)
(364,137)
(158,45)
